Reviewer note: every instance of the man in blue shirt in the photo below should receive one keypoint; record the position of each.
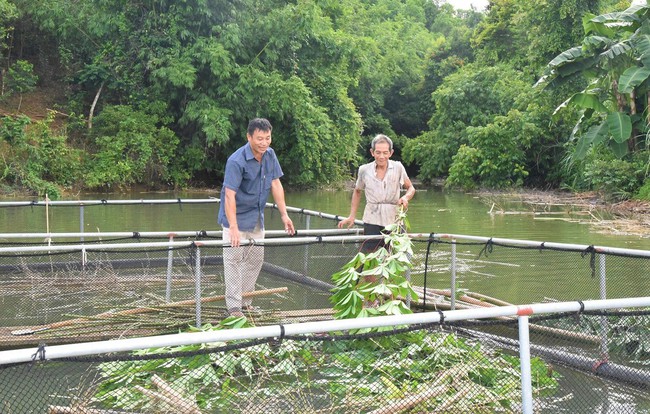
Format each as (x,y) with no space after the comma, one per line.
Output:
(252,172)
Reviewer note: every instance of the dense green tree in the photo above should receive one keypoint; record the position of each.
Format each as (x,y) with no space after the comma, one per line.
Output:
(453,88)
(36,159)
(19,79)
(516,149)
(325,73)
(471,97)
(528,34)
(451,52)
(132,147)
(8,12)
(217,64)
(518,143)
(613,57)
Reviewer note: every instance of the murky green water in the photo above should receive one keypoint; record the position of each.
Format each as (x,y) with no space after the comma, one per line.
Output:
(432,210)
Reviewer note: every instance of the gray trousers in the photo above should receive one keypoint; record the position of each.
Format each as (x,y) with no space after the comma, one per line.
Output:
(241,267)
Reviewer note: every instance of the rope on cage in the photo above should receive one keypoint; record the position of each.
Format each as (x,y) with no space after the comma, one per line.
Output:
(442,317)
(426,267)
(487,248)
(40,353)
(277,341)
(579,313)
(281,333)
(592,260)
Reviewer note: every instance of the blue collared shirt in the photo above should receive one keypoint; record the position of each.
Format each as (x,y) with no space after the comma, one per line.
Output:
(251,180)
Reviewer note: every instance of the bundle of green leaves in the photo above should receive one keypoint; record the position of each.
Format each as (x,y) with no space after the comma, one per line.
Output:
(387,265)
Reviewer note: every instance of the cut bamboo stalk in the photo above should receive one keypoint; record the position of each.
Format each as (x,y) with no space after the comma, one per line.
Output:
(564,333)
(487,301)
(411,400)
(179,401)
(183,406)
(29,331)
(438,305)
(463,298)
(438,387)
(55,409)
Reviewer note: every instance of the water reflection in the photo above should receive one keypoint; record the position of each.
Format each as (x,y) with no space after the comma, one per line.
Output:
(432,211)
(437,211)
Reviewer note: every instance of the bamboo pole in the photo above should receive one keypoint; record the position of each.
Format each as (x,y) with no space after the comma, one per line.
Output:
(56,409)
(438,387)
(489,299)
(479,299)
(465,298)
(169,396)
(29,331)
(411,400)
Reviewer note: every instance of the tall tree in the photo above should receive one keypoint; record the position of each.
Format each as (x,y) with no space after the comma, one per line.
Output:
(473,96)
(8,12)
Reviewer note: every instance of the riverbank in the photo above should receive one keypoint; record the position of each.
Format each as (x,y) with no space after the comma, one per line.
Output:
(626,217)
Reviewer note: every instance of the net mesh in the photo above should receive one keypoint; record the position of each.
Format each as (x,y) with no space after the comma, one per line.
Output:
(583,362)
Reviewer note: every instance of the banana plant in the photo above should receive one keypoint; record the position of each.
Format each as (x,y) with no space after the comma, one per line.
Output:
(614,57)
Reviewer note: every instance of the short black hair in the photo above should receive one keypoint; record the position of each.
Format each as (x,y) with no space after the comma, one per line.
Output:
(262,124)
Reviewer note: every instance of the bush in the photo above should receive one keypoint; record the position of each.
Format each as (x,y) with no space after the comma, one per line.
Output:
(20,77)
(617,179)
(495,157)
(36,159)
(131,147)
(644,192)
(463,170)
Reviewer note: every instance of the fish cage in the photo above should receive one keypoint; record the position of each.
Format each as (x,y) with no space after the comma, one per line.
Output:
(90,323)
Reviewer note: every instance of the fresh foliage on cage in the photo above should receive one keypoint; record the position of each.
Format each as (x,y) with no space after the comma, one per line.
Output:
(421,370)
(388,265)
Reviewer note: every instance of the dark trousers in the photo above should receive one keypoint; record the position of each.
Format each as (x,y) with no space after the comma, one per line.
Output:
(372,245)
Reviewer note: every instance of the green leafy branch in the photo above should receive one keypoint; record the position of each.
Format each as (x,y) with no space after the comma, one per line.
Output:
(388,266)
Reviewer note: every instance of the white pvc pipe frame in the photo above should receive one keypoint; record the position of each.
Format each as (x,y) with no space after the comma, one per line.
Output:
(322,236)
(336,235)
(83,203)
(278,331)
(169,234)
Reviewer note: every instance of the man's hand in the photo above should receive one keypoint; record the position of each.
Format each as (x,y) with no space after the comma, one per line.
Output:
(235,238)
(346,221)
(288,225)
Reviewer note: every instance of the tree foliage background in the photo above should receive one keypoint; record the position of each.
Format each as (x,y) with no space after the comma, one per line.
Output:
(159,92)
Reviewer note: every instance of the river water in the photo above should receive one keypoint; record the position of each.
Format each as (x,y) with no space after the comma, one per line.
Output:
(431,211)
